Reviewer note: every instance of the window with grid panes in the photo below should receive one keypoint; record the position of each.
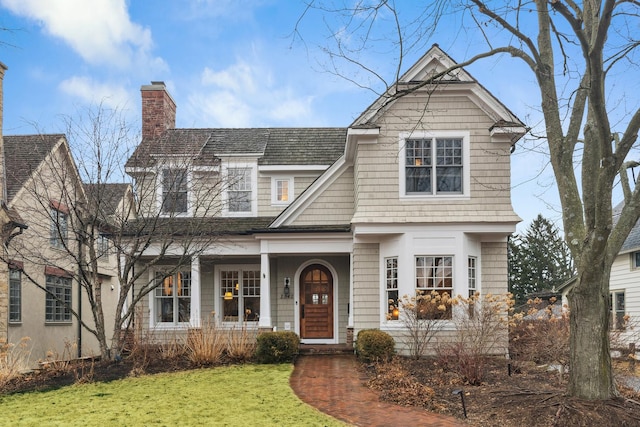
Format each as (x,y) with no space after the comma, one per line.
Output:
(434,274)
(58,299)
(172,297)
(240,295)
(15,295)
(391,284)
(433,166)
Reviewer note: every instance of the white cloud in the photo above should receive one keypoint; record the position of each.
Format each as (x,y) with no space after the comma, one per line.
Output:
(90,91)
(246,95)
(100,31)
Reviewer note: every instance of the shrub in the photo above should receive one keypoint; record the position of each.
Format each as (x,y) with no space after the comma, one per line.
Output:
(206,345)
(14,358)
(481,324)
(241,344)
(422,316)
(277,347)
(374,345)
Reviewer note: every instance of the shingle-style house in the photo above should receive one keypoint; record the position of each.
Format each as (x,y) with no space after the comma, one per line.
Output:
(43,186)
(624,287)
(321,227)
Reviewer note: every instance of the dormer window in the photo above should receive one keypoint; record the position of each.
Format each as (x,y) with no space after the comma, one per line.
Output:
(240,177)
(434,165)
(174,191)
(281,190)
(239,189)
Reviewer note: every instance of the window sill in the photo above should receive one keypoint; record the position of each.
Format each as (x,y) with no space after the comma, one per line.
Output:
(433,197)
(15,323)
(60,323)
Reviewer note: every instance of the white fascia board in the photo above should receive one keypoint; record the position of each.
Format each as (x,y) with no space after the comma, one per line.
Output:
(205,168)
(226,245)
(298,243)
(309,195)
(291,168)
(137,170)
(502,229)
(227,156)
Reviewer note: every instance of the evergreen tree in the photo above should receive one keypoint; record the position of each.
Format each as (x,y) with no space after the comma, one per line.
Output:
(538,260)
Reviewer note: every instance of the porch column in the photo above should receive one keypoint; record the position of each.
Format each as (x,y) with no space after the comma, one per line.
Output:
(195,292)
(350,319)
(265,293)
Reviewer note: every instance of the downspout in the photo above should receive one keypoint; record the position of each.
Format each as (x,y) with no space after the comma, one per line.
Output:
(79,320)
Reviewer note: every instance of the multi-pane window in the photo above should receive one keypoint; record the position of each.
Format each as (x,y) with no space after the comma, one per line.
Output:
(59,228)
(391,285)
(473,284)
(174,191)
(434,274)
(472,272)
(433,166)
(15,295)
(58,299)
(102,246)
(282,190)
(239,192)
(617,311)
(173,297)
(635,259)
(240,295)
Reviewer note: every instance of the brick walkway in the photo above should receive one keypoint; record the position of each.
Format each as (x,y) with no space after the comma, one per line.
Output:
(333,384)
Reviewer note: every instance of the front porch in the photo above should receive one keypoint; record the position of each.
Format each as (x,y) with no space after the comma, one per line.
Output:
(310,295)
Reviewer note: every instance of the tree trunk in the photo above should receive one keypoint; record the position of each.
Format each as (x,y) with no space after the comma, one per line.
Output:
(590,375)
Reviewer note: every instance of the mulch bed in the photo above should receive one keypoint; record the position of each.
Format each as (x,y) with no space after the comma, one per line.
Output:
(531,396)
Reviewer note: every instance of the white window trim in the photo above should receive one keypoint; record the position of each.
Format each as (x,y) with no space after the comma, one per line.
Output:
(253,166)
(466,163)
(152,307)
(634,265)
(217,303)
(159,191)
(274,190)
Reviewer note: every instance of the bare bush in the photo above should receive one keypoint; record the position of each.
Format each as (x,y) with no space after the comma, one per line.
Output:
(480,331)
(241,344)
(422,316)
(14,359)
(206,345)
(541,336)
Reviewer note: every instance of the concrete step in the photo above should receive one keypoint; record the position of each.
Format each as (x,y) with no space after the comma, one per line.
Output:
(310,349)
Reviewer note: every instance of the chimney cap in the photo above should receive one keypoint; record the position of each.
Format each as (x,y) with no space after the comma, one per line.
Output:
(157,83)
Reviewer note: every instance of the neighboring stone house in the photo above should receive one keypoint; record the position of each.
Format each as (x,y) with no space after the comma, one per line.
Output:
(321,227)
(44,187)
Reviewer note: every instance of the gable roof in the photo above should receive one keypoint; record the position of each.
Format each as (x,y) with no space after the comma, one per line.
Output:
(434,62)
(273,146)
(632,242)
(23,155)
(106,196)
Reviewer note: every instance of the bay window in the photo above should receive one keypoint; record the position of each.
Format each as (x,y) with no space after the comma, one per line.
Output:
(434,282)
(391,285)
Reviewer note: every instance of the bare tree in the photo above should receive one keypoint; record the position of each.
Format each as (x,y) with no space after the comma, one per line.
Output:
(103,237)
(577,52)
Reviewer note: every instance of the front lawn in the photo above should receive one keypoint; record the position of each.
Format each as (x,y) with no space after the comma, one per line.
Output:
(230,396)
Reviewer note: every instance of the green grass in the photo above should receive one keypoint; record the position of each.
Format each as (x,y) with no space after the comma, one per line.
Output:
(256,395)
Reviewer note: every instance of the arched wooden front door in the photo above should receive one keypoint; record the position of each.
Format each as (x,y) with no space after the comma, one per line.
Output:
(316,302)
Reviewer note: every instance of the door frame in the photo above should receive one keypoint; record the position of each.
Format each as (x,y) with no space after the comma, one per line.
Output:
(296,295)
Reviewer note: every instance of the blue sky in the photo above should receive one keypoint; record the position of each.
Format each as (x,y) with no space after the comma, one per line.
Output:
(227,63)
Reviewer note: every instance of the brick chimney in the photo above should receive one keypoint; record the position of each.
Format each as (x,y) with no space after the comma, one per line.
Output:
(158,110)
